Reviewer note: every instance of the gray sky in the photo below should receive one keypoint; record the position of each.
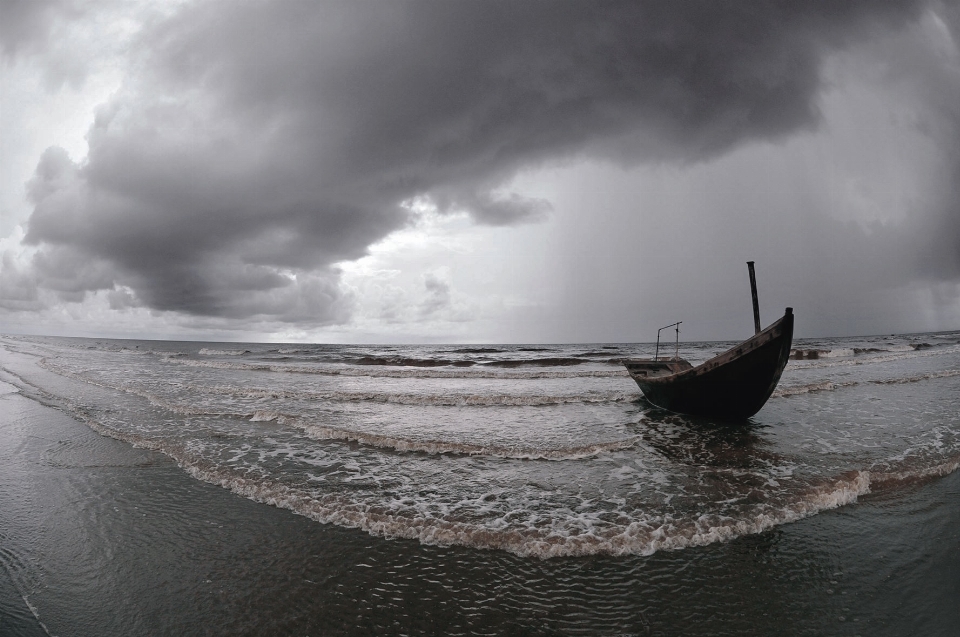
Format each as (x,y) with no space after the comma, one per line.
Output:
(478,171)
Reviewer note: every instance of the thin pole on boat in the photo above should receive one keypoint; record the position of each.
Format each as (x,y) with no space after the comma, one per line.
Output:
(656,356)
(676,353)
(756,303)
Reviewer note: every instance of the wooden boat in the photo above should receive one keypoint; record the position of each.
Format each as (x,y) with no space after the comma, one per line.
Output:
(731,386)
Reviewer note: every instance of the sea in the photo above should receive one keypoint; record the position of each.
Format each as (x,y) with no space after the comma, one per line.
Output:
(162,487)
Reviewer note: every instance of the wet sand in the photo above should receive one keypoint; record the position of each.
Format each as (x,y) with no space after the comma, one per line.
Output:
(100,538)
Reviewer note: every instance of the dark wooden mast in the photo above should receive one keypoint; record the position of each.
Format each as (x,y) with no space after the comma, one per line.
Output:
(756,303)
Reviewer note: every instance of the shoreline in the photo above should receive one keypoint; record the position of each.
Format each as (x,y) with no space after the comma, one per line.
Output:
(108,539)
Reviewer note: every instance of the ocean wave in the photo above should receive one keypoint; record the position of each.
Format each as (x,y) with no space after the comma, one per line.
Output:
(946,373)
(799,354)
(398,444)
(447,399)
(912,471)
(796,390)
(321,432)
(891,355)
(251,367)
(264,415)
(843,352)
(405,361)
(560,531)
(641,537)
(646,534)
(838,353)
(888,348)
(206,351)
(555,361)
(153,399)
(386,372)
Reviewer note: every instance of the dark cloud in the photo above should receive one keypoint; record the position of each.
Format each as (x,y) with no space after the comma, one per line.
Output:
(26,24)
(254,145)
(438,294)
(40,30)
(491,208)
(19,287)
(939,242)
(930,72)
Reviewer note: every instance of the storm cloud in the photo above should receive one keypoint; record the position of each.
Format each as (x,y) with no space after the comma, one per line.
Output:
(27,24)
(255,145)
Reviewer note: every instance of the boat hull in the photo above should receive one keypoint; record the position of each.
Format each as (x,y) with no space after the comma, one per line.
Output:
(732,386)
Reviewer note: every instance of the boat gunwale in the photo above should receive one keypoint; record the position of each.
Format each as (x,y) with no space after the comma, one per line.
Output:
(769,334)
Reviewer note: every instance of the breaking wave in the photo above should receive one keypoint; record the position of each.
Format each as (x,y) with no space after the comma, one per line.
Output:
(890,355)
(386,372)
(946,373)
(448,399)
(794,390)
(511,479)
(223,352)
(564,536)
(395,443)
(800,354)
(644,536)
(402,361)
(406,361)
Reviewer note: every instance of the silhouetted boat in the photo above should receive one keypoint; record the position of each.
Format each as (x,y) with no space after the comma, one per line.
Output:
(731,386)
